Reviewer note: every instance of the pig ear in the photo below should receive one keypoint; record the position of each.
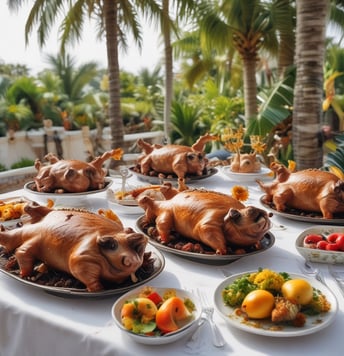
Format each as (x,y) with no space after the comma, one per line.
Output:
(233,214)
(107,242)
(89,172)
(137,241)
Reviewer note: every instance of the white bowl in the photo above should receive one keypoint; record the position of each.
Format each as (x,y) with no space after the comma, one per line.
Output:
(167,338)
(64,199)
(317,255)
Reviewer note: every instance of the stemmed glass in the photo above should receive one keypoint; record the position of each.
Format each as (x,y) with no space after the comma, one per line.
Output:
(124,173)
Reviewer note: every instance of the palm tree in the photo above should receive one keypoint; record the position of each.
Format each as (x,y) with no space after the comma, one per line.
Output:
(183,9)
(73,80)
(308,91)
(284,18)
(244,26)
(116,19)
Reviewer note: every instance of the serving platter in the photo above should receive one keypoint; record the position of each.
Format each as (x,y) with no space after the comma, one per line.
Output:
(246,177)
(210,257)
(298,215)
(155,262)
(265,327)
(159,180)
(66,199)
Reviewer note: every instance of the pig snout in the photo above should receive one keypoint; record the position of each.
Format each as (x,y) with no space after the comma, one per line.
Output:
(74,181)
(126,250)
(196,163)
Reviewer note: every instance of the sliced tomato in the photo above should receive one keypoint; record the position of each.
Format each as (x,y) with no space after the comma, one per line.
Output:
(333,237)
(340,242)
(321,245)
(311,240)
(331,247)
(155,298)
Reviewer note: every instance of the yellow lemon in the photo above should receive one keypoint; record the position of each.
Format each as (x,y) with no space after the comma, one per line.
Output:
(258,304)
(298,291)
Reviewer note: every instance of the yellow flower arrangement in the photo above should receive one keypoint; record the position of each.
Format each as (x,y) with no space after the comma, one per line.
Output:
(240,193)
(291,166)
(233,140)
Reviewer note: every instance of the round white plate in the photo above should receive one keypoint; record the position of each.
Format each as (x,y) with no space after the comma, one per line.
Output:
(121,208)
(246,177)
(158,340)
(313,323)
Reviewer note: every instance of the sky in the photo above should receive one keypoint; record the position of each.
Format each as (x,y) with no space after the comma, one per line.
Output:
(14,51)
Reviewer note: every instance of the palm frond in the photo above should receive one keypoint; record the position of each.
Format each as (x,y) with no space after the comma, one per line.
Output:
(275,107)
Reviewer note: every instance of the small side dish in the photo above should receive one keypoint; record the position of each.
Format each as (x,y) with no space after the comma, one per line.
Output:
(152,314)
(321,243)
(275,303)
(12,208)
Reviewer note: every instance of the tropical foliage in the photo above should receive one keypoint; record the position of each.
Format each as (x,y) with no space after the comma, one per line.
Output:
(236,68)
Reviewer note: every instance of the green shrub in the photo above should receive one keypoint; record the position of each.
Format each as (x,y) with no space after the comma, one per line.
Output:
(24,162)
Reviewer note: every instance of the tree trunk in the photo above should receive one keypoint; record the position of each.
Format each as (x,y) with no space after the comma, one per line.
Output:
(115,117)
(168,71)
(250,89)
(286,53)
(308,91)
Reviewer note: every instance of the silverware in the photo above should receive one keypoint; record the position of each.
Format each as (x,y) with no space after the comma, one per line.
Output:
(208,309)
(338,275)
(310,270)
(194,343)
(323,274)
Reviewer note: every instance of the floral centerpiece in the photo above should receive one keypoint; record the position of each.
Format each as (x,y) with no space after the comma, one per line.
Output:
(233,141)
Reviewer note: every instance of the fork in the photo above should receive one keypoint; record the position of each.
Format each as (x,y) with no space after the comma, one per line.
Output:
(208,309)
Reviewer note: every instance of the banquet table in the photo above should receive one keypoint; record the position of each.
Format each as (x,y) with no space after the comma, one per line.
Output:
(36,323)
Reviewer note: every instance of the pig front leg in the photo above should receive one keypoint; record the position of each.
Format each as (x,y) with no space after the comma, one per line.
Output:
(281,198)
(145,165)
(213,237)
(26,257)
(164,224)
(10,239)
(87,271)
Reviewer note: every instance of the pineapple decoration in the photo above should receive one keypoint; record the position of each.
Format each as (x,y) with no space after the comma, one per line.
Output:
(233,141)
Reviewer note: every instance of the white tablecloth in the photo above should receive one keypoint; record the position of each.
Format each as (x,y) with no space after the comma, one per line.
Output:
(35,323)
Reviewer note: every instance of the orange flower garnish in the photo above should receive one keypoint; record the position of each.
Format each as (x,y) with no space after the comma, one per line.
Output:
(50,203)
(291,165)
(240,193)
(109,214)
(117,154)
